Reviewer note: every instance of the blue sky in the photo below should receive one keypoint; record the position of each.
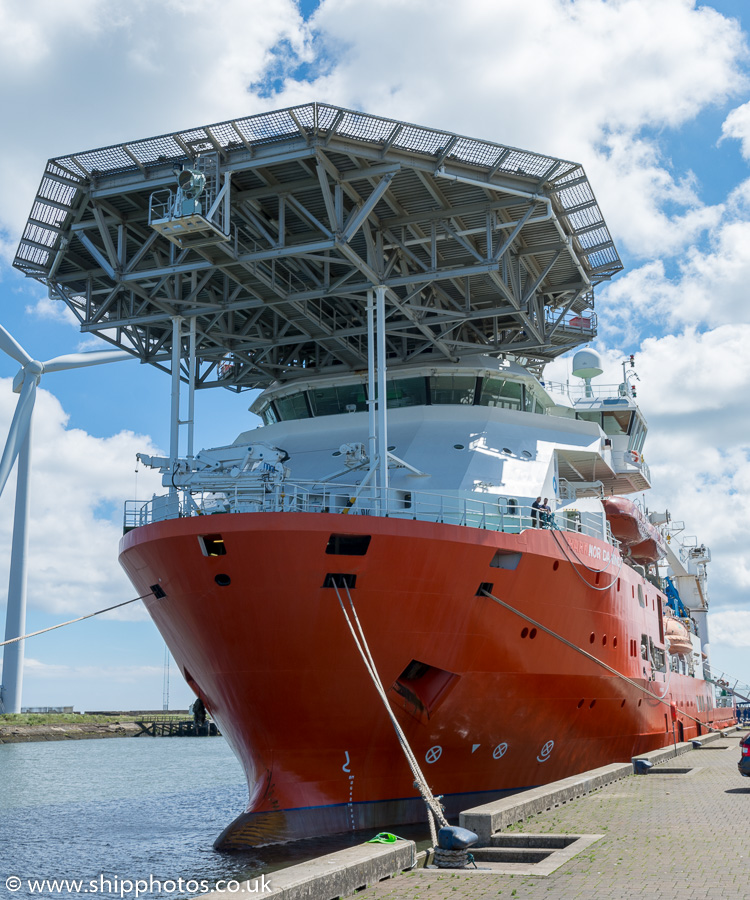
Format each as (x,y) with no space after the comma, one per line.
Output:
(650,98)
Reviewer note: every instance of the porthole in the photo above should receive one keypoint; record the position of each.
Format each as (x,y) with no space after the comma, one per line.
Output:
(604,640)
(532,634)
(459,446)
(639,702)
(592,704)
(580,703)
(622,704)
(555,565)
(525,454)
(506,450)
(223,580)
(336,453)
(391,448)
(614,641)
(592,638)
(524,632)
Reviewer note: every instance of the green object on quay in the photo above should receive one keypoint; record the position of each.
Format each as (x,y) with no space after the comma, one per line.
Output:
(385,837)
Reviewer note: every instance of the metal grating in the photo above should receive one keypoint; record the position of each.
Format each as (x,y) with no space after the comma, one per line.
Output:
(453,285)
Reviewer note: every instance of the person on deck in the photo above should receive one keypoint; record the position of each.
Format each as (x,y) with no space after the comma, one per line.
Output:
(535,512)
(545,513)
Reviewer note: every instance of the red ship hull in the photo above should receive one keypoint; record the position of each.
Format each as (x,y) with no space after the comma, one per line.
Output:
(489,704)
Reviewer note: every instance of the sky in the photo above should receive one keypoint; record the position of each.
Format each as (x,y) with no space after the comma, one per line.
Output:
(653,98)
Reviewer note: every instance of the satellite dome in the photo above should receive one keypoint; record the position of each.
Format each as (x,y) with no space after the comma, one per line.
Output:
(587,364)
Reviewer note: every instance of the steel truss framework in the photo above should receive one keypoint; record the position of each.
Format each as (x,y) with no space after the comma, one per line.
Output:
(482,248)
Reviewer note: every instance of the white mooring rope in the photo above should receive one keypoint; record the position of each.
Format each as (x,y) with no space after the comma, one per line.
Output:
(593,658)
(72,621)
(434,809)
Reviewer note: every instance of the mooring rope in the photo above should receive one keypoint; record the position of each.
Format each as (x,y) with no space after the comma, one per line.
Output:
(580,561)
(593,587)
(434,809)
(73,621)
(593,658)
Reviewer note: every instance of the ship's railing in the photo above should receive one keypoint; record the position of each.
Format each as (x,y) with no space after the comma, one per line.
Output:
(495,513)
(578,322)
(161,205)
(627,460)
(576,391)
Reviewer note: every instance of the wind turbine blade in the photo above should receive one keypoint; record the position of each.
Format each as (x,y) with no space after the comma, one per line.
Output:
(19,428)
(11,346)
(78,360)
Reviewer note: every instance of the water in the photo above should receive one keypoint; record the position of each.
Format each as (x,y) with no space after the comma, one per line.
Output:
(129,809)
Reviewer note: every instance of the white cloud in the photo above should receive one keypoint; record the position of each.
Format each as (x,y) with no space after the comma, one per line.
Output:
(730,627)
(98,686)
(709,286)
(696,372)
(29,32)
(54,311)
(693,391)
(578,80)
(78,487)
(34,668)
(74,76)
(737,125)
(599,82)
(636,186)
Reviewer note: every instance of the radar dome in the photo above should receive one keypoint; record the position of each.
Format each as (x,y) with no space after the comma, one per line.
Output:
(587,364)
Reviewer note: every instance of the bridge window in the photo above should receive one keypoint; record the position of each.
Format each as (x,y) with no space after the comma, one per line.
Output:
(453,389)
(294,406)
(342,398)
(268,413)
(501,393)
(617,422)
(406,392)
(638,435)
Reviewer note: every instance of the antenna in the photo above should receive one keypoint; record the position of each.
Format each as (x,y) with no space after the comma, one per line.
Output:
(629,375)
(587,364)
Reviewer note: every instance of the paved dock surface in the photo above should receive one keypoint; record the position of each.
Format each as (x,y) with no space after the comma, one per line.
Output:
(664,836)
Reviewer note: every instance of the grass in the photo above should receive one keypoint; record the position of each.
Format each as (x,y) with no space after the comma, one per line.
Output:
(70,719)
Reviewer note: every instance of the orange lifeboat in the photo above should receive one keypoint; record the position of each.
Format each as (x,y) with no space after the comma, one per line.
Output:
(650,550)
(677,636)
(640,540)
(628,524)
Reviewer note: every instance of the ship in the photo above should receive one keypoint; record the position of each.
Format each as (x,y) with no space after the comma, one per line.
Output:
(395,294)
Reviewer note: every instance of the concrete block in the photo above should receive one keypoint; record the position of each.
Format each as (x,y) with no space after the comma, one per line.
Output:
(485,820)
(329,877)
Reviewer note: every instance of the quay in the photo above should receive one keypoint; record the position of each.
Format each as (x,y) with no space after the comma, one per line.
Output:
(678,831)
(108,724)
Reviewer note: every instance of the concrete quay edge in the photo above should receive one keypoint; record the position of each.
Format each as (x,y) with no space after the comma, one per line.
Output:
(330,877)
(345,872)
(485,820)
(667,753)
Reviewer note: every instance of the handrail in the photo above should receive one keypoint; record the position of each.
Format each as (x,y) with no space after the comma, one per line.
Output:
(228,495)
